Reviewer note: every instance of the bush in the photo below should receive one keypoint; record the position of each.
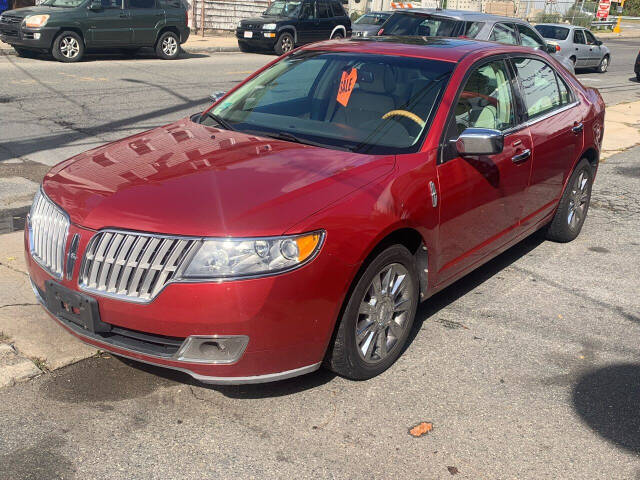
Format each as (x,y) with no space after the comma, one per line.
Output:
(543,17)
(581,18)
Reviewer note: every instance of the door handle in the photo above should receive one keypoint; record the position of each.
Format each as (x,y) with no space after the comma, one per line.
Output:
(577,128)
(521,157)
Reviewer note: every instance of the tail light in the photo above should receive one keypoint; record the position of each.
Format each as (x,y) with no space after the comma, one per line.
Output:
(557,48)
(380,31)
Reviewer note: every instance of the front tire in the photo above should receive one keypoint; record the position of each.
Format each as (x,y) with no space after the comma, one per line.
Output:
(68,47)
(377,319)
(284,44)
(168,46)
(604,64)
(573,206)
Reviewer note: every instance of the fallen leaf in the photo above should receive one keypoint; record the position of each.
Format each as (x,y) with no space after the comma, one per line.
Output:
(421,429)
(452,470)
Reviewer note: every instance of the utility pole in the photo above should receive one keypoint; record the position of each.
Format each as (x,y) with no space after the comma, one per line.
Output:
(616,29)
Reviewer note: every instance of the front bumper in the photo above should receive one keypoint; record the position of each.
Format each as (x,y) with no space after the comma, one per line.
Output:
(19,36)
(259,38)
(288,319)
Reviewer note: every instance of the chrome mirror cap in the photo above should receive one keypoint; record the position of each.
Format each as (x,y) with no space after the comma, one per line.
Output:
(479,141)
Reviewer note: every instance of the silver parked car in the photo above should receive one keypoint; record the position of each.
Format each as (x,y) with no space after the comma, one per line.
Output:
(435,22)
(369,24)
(577,44)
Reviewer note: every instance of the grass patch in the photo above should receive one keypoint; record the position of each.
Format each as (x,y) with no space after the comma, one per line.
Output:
(4,337)
(40,363)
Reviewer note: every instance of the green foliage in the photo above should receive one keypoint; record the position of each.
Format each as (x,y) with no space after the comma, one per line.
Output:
(579,17)
(631,8)
(542,17)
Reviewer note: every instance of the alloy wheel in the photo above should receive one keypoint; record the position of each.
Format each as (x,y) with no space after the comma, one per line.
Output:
(69,47)
(169,46)
(578,201)
(383,315)
(287,44)
(604,64)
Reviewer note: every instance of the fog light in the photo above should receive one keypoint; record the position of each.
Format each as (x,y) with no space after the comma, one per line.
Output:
(36,36)
(212,349)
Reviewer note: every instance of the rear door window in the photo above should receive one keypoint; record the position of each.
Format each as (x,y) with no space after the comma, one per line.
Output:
(142,4)
(471,29)
(504,33)
(323,10)
(539,86)
(528,37)
(337,10)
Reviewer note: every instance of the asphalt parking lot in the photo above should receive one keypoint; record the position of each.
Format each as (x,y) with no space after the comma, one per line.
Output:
(527,368)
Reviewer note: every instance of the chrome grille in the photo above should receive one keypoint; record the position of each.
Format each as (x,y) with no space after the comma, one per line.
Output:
(10,19)
(135,266)
(48,229)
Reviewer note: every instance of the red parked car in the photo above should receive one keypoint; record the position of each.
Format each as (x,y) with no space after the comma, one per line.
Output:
(302,218)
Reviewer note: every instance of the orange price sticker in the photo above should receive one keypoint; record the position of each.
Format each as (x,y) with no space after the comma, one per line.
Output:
(347,82)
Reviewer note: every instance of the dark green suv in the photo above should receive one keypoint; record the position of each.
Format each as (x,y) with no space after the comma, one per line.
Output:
(66,28)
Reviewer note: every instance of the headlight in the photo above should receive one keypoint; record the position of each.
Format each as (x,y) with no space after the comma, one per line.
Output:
(269,26)
(36,21)
(226,258)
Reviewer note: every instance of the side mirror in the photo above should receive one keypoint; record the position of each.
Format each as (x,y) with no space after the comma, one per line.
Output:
(215,96)
(598,42)
(95,5)
(479,141)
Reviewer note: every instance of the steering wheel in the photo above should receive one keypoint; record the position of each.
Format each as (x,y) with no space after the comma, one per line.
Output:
(406,114)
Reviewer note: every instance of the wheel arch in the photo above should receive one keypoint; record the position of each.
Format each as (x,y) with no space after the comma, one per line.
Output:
(73,29)
(168,28)
(338,27)
(289,29)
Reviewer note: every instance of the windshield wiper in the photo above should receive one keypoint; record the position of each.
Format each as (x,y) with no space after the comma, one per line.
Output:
(223,123)
(290,137)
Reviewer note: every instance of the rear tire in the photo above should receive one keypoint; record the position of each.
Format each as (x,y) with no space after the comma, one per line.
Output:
(168,46)
(574,205)
(68,47)
(337,36)
(284,44)
(377,319)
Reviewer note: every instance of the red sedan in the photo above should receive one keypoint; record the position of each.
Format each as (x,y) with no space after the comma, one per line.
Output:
(301,219)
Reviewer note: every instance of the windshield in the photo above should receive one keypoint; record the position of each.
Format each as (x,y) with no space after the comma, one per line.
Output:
(283,9)
(372,19)
(63,3)
(364,103)
(422,25)
(553,32)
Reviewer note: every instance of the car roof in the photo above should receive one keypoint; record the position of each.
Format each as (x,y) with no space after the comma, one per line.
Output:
(434,48)
(461,14)
(563,25)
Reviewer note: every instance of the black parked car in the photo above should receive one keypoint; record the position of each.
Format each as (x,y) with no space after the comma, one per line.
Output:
(66,28)
(286,24)
(636,69)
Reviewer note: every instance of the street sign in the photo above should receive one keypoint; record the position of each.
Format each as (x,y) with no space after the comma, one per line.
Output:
(603,9)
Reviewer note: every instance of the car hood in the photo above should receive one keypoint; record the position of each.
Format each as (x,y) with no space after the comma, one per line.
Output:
(36,10)
(190,179)
(265,19)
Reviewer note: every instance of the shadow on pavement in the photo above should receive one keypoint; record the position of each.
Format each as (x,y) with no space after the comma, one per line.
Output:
(472,280)
(608,401)
(253,391)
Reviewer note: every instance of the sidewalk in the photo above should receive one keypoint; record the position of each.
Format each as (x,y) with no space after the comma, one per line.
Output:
(195,44)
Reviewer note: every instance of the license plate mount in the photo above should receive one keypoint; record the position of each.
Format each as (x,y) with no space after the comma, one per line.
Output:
(75,307)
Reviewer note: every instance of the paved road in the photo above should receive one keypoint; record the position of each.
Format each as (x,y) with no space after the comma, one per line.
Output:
(528,368)
(619,84)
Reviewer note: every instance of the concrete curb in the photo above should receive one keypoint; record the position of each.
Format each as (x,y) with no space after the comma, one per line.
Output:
(8,51)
